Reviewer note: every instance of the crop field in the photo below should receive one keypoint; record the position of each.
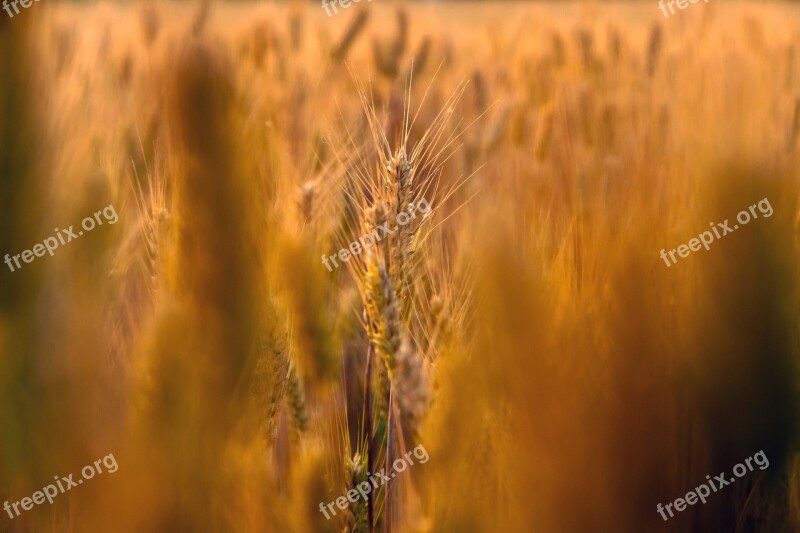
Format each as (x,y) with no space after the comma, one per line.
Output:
(400,267)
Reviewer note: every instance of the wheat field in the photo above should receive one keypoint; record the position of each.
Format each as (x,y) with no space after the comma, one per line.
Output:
(417,235)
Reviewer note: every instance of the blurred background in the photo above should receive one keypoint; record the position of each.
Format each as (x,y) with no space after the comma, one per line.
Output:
(526,333)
